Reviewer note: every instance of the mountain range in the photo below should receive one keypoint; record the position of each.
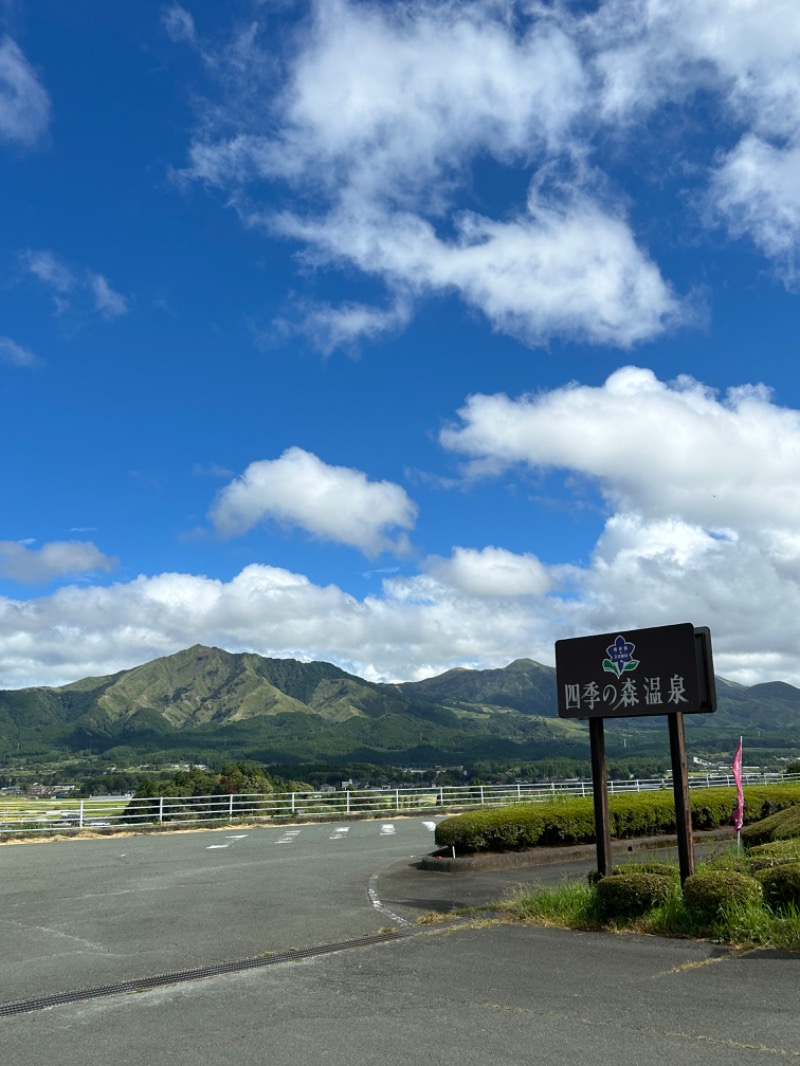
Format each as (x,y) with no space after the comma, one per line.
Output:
(284,711)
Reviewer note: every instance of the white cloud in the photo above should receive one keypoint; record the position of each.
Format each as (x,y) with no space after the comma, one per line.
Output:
(747,54)
(329,327)
(330,502)
(757,191)
(24,103)
(643,574)
(16,354)
(49,269)
(656,449)
(494,573)
(702,527)
(59,558)
(416,628)
(664,571)
(746,51)
(64,282)
(179,24)
(107,303)
(704,512)
(385,111)
(572,269)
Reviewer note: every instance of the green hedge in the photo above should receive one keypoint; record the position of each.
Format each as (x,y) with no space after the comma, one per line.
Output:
(630,894)
(782,825)
(571,820)
(708,893)
(781,885)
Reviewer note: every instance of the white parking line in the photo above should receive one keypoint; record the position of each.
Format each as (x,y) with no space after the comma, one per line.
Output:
(288,836)
(215,847)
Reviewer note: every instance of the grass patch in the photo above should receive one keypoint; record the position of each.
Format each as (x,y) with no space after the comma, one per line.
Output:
(578,905)
(572,905)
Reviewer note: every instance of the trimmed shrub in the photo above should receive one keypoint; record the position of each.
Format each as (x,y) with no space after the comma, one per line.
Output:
(663,869)
(631,894)
(708,893)
(778,848)
(569,821)
(781,885)
(640,814)
(768,856)
(493,830)
(782,825)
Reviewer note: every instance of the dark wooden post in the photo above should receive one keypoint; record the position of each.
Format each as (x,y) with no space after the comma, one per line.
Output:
(602,829)
(680,786)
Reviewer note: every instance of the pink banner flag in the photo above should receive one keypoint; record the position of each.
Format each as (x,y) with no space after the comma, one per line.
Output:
(738,810)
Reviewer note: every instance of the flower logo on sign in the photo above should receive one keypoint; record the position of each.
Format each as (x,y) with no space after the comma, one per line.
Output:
(620,657)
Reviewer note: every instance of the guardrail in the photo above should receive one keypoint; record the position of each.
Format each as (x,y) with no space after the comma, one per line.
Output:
(22,817)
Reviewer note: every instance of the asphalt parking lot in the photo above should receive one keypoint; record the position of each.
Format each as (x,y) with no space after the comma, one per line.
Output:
(88,913)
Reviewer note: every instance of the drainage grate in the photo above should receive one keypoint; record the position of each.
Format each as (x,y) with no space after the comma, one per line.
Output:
(143,984)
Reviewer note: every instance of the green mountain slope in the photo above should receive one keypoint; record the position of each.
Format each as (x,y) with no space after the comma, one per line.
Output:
(523,685)
(280,710)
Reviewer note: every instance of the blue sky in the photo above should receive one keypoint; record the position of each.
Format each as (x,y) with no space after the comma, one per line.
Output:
(399,336)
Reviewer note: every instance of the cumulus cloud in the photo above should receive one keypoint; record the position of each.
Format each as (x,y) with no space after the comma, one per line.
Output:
(330,502)
(702,505)
(59,558)
(757,192)
(658,449)
(490,573)
(77,632)
(65,282)
(418,626)
(24,103)
(702,526)
(663,571)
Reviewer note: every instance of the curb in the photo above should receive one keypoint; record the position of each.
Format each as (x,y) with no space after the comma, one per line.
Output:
(502,860)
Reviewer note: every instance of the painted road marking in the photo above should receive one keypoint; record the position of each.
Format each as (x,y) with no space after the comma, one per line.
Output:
(288,836)
(372,893)
(387,830)
(339,832)
(430,825)
(215,847)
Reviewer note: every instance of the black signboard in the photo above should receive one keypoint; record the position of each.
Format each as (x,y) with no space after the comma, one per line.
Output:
(628,673)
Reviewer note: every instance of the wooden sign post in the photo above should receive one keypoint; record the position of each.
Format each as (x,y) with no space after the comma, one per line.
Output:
(664,670)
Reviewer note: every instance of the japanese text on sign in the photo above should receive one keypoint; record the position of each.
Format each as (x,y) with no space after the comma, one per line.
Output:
(626,694)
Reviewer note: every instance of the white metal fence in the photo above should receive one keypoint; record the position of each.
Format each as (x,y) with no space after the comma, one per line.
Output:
(19,816)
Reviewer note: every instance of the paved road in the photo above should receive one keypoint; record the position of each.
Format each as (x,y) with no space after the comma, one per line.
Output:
(91,912)
(502,995)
